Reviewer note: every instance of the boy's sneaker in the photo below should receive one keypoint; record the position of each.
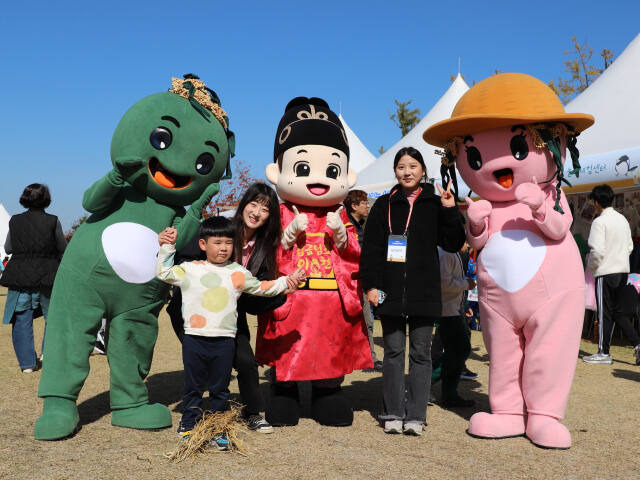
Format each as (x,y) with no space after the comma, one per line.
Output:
(393,426)
(598,358)
(27,370)
(220,441)
(413,428)
(468,374)
(636,354)
(184,432)
(259,424)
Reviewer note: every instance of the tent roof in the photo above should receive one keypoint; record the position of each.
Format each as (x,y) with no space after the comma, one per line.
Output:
(359,156)
(614,100)
(4,229)
(381,171)
(610,149)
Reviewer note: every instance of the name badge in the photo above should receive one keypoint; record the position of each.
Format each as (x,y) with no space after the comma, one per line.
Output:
(397,248)
(473,295)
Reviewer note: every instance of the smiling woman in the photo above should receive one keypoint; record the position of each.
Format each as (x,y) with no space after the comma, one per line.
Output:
(400,258)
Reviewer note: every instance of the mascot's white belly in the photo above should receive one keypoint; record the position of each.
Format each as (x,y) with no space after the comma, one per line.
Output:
(513,257)
(131,250)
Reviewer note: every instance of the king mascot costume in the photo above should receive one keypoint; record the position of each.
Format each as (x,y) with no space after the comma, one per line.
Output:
(319,334)
(169,150)
(508,136)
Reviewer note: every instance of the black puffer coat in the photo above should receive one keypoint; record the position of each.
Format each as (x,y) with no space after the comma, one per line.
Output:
(412,287)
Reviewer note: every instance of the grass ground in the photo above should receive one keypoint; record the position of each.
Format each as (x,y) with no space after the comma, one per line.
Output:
(603,416)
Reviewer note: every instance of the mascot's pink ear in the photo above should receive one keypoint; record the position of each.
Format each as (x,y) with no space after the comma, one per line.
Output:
(273,172)
(351,178)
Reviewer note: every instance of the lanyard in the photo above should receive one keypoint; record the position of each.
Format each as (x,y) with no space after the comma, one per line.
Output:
(406,227)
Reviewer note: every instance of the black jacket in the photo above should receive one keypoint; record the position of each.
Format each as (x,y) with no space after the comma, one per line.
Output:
(255,305)
(35,255)
(412,287)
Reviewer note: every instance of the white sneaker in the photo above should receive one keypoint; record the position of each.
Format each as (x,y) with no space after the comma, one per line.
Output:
(393,426)
(598,358)
(27,370)
(413,428)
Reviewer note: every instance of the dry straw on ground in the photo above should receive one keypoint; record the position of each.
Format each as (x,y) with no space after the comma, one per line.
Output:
(210,425)
(603,416)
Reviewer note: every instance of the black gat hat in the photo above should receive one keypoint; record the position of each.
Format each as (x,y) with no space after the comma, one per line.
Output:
(309,121)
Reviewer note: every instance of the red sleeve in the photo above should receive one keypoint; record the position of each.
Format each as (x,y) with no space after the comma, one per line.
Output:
(346,266)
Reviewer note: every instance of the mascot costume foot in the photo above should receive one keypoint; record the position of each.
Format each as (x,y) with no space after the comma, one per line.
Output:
(508,136)
(319,334)
(169,150)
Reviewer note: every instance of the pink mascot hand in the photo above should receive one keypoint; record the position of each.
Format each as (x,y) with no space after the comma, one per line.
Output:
(477,213)
(530,194)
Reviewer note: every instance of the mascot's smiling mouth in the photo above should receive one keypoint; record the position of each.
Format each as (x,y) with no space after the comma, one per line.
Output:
(165,178)
(318,189)
(504,177)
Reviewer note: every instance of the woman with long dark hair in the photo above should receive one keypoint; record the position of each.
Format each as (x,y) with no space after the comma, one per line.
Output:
(36,242)
(257,223)
(400,258)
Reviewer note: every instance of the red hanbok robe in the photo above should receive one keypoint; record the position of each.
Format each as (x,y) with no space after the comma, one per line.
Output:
(320,332)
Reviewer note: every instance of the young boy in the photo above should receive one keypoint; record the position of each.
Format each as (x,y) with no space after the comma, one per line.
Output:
(210,290)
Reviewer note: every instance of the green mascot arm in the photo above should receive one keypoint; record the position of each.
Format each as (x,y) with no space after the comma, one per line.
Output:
(188,225)
(101,194)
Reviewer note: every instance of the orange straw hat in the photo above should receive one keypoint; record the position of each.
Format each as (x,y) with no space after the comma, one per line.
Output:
(501,101)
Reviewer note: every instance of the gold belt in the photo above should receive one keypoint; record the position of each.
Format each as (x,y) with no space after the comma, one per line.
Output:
(320,284)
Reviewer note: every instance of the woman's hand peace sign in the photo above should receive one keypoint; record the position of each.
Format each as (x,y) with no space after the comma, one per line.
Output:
(446,197)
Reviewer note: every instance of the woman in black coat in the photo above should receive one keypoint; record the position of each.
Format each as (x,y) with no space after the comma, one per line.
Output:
(400,258)
(36,242)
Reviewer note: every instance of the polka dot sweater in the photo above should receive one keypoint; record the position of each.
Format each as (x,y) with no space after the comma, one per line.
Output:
(210,292)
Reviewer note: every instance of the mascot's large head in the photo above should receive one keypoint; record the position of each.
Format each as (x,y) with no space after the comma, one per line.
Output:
(183,139)
(311,155)
(505,131)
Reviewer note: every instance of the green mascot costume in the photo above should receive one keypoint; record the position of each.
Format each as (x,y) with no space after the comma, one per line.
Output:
(169,150)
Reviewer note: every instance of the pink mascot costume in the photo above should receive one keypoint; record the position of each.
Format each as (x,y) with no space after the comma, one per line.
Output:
(319,334)
(508,135)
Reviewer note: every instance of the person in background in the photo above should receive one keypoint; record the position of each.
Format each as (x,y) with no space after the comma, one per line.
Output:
(400,259)
(610,245)
(453,327)
(357,205)
(471,308)
(36,242)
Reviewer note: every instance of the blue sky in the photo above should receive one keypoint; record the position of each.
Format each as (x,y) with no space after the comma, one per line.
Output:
(71,69)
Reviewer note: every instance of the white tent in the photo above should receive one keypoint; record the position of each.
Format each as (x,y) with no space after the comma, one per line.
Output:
(610,149)
(4,229)
(378,178)
(359,156)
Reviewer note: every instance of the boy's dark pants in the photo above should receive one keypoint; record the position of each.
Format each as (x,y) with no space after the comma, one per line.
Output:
(207,365)
(457,347)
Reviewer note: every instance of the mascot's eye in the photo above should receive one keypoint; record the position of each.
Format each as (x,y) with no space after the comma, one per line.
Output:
(204,163)
(333,171)
(160,138)
(302,169)
(519,147)
(474,158)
